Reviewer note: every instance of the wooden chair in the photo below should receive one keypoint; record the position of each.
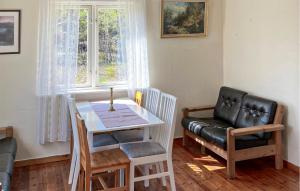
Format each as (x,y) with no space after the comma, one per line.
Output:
(157,150)
(100,142)
(93,164)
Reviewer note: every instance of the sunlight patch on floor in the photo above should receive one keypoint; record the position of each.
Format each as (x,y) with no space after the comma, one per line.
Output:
(213,167)
(194,167)
(206,158)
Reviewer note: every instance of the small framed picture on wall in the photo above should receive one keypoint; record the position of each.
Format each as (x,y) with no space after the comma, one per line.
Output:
(184,18)
(10,31)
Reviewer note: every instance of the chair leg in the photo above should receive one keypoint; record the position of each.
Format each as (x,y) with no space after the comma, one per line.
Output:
(171,174)
(72,167)
(157,167)
(150,166)
(87,181)
(121,177)
(162,169)
(146,169)
(117,178)
(81,177)
(76,174)
(131,178)
(127,178)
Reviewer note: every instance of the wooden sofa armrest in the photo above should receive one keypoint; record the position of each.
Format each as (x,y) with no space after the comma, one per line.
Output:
(255,129)
(187,110)
(7,131)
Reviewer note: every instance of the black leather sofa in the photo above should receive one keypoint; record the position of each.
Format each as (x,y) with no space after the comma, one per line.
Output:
(243,127)
(8,149)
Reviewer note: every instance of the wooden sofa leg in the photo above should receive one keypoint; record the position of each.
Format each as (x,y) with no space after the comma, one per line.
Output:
(230,169)
(230,154)
(203,150)
(184,138)
(278,155)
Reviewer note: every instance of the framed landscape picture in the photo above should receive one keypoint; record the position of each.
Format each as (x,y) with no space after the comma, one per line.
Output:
(10,31)
(184,18)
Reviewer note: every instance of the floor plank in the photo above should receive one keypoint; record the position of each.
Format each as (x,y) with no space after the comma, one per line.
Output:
(193,172)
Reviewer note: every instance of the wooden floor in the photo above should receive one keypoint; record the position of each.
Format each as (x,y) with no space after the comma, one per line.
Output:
(193,172)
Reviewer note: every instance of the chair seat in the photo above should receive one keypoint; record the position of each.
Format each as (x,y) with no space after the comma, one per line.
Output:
(129,136)
(195,125)
(6,163)
(8,145)
(5,180)
(101,140)
(142,149)
(218,136)
(108,158)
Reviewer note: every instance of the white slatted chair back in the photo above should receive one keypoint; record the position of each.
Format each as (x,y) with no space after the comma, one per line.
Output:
(73,111)
(152,100)
(167,112)
(75,162)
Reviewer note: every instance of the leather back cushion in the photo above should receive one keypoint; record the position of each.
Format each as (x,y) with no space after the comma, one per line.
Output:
(256,111)
(229,104)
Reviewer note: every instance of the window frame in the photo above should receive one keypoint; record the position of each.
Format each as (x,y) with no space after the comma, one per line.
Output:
(93,44)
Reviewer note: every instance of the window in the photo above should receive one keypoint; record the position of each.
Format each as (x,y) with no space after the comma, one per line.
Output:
(100,62)
(83,77)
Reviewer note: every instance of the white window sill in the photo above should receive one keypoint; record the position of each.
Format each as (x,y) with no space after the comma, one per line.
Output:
(94,94)
(96,90)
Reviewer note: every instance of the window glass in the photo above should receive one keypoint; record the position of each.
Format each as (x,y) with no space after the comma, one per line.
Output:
(82,75)
(111,66)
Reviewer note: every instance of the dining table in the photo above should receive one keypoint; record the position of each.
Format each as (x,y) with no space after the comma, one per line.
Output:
(127,115)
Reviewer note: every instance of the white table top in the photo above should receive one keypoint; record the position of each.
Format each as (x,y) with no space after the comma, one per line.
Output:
(95,125)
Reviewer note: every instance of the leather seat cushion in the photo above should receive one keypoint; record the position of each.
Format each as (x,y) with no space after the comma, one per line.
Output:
(218,136)
(195,125)
(5,180)
(142,149)
(129,136)
(256,111)
(8,145)
(100,140)
(6,163)
(229,104)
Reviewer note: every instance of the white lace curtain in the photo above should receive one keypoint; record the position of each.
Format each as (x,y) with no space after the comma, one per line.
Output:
(57,61)
(134,37)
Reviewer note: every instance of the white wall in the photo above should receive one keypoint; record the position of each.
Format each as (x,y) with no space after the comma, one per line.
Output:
(260,55)
(256,59)
(17,86)
(189,68)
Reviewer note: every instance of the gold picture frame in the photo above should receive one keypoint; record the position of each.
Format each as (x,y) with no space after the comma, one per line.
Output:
(179,7)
